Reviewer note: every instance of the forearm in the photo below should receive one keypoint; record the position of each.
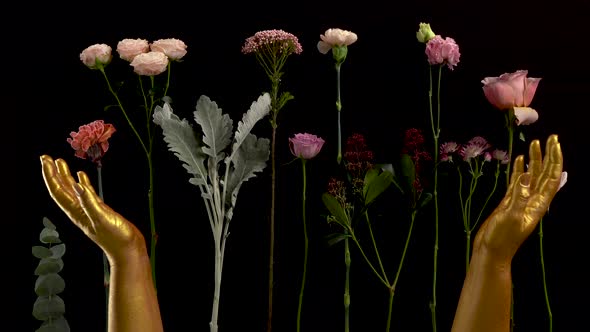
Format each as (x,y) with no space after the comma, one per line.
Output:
(133,303)
(484,305)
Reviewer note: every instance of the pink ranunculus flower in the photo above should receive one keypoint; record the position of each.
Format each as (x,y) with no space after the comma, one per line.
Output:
(150,63)
(442,51)
(128,49)
(91,140)
(96,56)
(335,37)
(510,89)
(305,145)
(175,49)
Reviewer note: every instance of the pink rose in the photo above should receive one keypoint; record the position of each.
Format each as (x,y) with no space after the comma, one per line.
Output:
(150,63)
(91,140)
(510,89)
(128,49)
(174,49)
(305,146)
(440,51)
(97,55)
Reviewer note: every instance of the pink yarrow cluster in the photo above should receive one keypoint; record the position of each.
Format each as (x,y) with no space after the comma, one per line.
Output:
(276,39)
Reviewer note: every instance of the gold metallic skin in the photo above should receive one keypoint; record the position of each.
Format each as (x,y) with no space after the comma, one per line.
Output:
(484,305)
(133,304)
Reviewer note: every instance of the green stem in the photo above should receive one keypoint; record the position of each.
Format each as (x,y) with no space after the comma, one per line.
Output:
(546,292)
(338,108)
(305,247)
(375,247)
(399,269)
(435,125)
(347,260)
(272,230)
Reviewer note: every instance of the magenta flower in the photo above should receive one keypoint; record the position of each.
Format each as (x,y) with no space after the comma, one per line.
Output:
(510,89)
(91,140)
(305,145)
(443,51)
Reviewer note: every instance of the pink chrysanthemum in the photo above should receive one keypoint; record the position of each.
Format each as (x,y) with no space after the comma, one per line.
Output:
(476,147)
(274,41)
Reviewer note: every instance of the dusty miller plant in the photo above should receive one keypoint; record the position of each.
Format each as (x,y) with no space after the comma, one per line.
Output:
(219,162)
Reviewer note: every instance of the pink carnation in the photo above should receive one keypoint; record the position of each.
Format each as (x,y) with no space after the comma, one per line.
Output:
(174,49)
(91,140)
(150,64)
(97,55)
(441,51)
(128,49)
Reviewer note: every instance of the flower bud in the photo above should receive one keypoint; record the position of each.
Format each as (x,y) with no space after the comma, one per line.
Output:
(424,33)
(339,53)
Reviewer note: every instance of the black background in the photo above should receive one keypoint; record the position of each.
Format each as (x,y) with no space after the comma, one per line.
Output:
(47,92)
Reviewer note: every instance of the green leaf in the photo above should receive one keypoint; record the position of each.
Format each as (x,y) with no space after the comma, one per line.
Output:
(49,284)
(58,251)
(47,307)
(336,238)
(60,324)
(376,186)
(408,170)
(425,198)
(336,210)
(369,176)
(49,265)
(49,235)
(41,252)
(47,223)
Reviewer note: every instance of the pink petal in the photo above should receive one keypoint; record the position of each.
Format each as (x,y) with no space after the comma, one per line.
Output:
(525,115)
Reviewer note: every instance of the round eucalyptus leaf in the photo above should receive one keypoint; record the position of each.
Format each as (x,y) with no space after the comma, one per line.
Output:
(58,250)
(59,324)
(49,235)
(47,307)
(41,252)
(49,284)
(48,224)
(49,265)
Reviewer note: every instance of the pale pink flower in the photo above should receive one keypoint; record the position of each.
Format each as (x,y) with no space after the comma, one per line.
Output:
(525,115)
(96,56)
(562,180)
(91,140)
(174,48)
(476,147)
(274,42)
(128,49)
(150,63)
(443,51)
(510,89)
(447,150)
(305,145)
(335,37)
(501,156)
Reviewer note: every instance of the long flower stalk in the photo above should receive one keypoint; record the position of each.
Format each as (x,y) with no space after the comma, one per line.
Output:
(543,271)
(305,247)
(435,125)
